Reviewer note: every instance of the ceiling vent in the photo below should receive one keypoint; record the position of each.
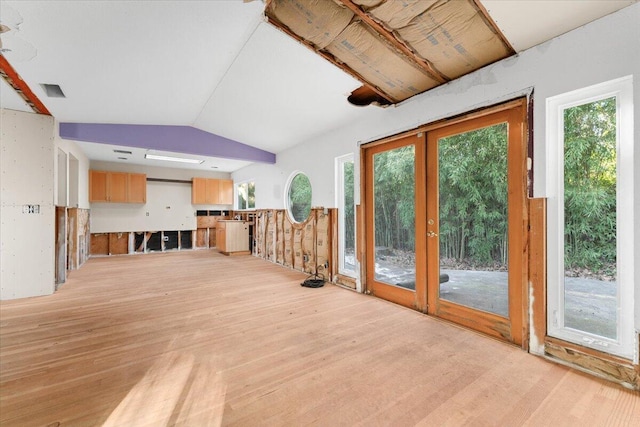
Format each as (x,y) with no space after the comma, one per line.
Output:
(122,151)
(52,91)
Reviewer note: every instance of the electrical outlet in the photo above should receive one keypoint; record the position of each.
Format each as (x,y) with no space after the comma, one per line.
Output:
(31,209)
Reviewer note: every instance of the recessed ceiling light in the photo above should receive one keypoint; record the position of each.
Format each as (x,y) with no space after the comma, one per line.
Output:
(52,90)
(122,151)
(172,159)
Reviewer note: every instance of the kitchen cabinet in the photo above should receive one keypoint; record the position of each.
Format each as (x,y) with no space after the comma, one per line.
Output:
(207,191)
(137,187)
(117,187)
(232,237)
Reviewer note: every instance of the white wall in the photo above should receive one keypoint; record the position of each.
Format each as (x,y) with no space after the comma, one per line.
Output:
(168,204)
(27,158)
(604,50)
(79,199)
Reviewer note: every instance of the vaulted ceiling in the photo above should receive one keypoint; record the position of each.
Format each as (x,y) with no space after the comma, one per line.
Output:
(218,67)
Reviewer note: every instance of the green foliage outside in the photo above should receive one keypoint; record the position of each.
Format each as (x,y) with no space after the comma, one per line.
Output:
(473,194)
(350,219)
(300,197)
(590,187)
(473,197)
(247,195)
(394,190)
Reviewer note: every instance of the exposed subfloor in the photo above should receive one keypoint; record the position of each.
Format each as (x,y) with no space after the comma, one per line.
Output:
(195,338)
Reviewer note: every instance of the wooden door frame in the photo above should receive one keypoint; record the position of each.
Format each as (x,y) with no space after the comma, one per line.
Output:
(416,300)
(513,329)
(517,329)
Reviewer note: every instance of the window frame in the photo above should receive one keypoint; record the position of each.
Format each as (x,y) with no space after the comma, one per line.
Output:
(340,161)
(625,344)
(287,199)
(237,192)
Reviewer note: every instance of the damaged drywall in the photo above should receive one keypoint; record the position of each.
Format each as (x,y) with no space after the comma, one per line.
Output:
(302,246)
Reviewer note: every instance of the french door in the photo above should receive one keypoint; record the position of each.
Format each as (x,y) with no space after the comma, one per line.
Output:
(446,221)
(395,229)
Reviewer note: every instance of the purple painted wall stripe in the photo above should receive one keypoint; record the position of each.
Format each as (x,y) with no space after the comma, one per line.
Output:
(177,139)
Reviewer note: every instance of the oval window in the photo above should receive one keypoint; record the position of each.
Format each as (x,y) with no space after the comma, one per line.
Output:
(299,197)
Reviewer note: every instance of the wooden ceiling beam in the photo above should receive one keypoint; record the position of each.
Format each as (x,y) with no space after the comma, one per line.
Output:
(14,80)
(422,63)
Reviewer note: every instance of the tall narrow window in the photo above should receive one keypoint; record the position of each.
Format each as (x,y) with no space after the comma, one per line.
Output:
(246,194)
(591,219)
(346,214)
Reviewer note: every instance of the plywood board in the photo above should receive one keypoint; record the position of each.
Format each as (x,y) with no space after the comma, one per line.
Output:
(202,238)
(118,243)
(206,221)
(212,237)
(100,244)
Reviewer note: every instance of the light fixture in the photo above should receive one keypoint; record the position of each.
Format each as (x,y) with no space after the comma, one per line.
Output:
(172,159)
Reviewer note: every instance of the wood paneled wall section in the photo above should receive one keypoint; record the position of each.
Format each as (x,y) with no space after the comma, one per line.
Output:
(78,237)
(304,247)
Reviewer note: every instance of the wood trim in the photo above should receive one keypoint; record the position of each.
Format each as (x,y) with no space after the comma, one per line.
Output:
(603,364)
(422,63)
(14,80)
(430,127)
(361,238)
(538,268)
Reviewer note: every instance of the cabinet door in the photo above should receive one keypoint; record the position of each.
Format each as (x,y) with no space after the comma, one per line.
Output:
(226,192)
(221,240)
(199,191)
(117,187)
(213,191)
(137,188)
(97,186)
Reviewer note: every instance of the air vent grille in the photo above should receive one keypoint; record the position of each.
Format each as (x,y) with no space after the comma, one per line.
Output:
(52,91)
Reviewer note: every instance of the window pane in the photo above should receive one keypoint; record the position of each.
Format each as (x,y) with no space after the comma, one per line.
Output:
(349,222)
(300,197)
(251,195)
(473,219)
(394,211)
(590,291)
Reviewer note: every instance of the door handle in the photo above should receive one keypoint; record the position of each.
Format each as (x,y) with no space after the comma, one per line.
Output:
(432,234)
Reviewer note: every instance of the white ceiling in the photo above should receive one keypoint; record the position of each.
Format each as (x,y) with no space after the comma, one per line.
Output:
(214,65)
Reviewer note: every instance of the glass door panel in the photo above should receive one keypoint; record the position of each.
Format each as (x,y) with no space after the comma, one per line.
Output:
(473,219)
(394,217)
(395,177)
(476,216)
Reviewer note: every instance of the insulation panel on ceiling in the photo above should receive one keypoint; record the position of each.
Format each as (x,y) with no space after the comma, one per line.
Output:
(397,49)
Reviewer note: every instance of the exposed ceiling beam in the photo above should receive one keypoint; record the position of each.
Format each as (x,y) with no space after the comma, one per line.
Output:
(20,86)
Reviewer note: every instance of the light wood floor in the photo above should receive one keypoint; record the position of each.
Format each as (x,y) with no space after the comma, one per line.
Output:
(195,338)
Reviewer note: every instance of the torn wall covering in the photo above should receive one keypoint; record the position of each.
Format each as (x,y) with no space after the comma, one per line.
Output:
(305,247)
(398,49)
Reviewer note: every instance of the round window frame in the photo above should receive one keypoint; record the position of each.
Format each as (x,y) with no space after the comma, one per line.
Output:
(287,198)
